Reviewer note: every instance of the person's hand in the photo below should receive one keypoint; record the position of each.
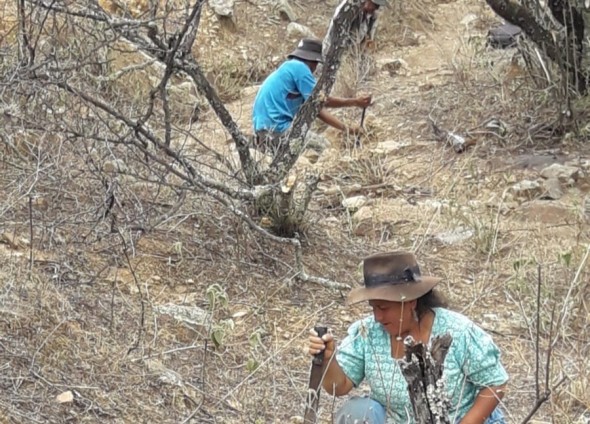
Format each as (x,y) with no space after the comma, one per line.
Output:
(317,345)
(363,101)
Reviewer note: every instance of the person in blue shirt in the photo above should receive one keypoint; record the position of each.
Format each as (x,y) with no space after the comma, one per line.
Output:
(283,92)
(405,304)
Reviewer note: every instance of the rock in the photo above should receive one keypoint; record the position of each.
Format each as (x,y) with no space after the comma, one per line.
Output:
(40,203)
(65,397)
(285,10)
(545,212)
(390,146)
(330,190)
(311,155)
(222,7)
(454,236)
(469,19)
(393,66)
(114,166)
(12,240)
(553,189)
(187,314)
(362,221)
(354,203)
(562,172)
(295,30)
(527,189)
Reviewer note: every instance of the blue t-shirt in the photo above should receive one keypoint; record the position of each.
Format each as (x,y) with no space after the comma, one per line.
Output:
(472,363)
(281,95)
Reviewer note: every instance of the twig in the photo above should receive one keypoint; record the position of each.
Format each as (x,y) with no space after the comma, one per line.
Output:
(542,400)
(138,286)
(30,233)
(538,335)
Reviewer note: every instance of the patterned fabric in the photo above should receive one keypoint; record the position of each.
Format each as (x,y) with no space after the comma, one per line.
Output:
(357,410)
(281,95)
(472,363)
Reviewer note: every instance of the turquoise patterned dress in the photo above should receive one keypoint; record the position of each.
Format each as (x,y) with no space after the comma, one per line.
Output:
(472,363)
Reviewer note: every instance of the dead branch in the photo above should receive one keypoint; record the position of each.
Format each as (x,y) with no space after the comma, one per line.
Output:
(423,371)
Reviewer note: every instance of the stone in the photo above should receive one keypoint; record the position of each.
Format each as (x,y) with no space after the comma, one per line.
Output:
(187,314)
(354,203)
(454,236)
(469,19)
(527,189)
(362,221)
(222,7)
(561,172)
(295,30)
(393,66)
(545,212)
(553,189)
(311,155)
(285,10)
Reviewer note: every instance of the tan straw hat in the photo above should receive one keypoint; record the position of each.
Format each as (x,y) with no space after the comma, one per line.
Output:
(392,276)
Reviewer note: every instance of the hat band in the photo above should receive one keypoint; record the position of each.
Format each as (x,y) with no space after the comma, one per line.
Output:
(410,274)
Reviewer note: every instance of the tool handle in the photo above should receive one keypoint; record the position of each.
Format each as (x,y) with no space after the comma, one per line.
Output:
(318,358)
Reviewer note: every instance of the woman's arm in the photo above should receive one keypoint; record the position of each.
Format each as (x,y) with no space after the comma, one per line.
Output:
(485,402)
(335,382)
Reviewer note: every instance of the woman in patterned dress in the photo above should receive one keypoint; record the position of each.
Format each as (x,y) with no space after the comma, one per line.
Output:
(405,304)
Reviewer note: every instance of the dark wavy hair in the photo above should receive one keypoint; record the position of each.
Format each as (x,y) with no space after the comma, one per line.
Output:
(432,299)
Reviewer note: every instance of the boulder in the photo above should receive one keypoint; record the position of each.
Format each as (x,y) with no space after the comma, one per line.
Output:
(362,221)
(285,10)
(545,212)
(454,236)
(527,189)
(393,66)
(563,173)
(222,7)
(553,189)
(354,203)
(191,315)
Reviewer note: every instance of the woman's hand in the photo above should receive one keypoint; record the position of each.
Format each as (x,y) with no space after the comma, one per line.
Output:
(325,344)
(363,101)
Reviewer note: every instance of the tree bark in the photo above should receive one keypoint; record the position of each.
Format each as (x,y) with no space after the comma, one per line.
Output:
(295,144)
(423,369)
(524,18)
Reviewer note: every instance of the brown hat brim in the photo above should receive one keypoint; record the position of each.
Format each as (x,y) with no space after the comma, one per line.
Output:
(394,292)
(306,55)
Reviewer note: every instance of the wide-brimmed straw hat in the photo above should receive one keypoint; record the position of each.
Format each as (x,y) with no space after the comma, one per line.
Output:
(308,49)
(392,276)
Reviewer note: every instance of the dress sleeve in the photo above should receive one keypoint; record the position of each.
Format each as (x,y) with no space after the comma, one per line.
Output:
(351,354)
(481,361)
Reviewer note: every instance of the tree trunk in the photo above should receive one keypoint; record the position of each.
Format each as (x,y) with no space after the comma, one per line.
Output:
(568,58)
(423,369)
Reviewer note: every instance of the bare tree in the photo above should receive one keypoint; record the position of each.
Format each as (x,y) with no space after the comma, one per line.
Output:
(565,48)
(59,85)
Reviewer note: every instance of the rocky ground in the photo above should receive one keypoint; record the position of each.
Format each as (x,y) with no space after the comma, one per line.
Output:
(206,322)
